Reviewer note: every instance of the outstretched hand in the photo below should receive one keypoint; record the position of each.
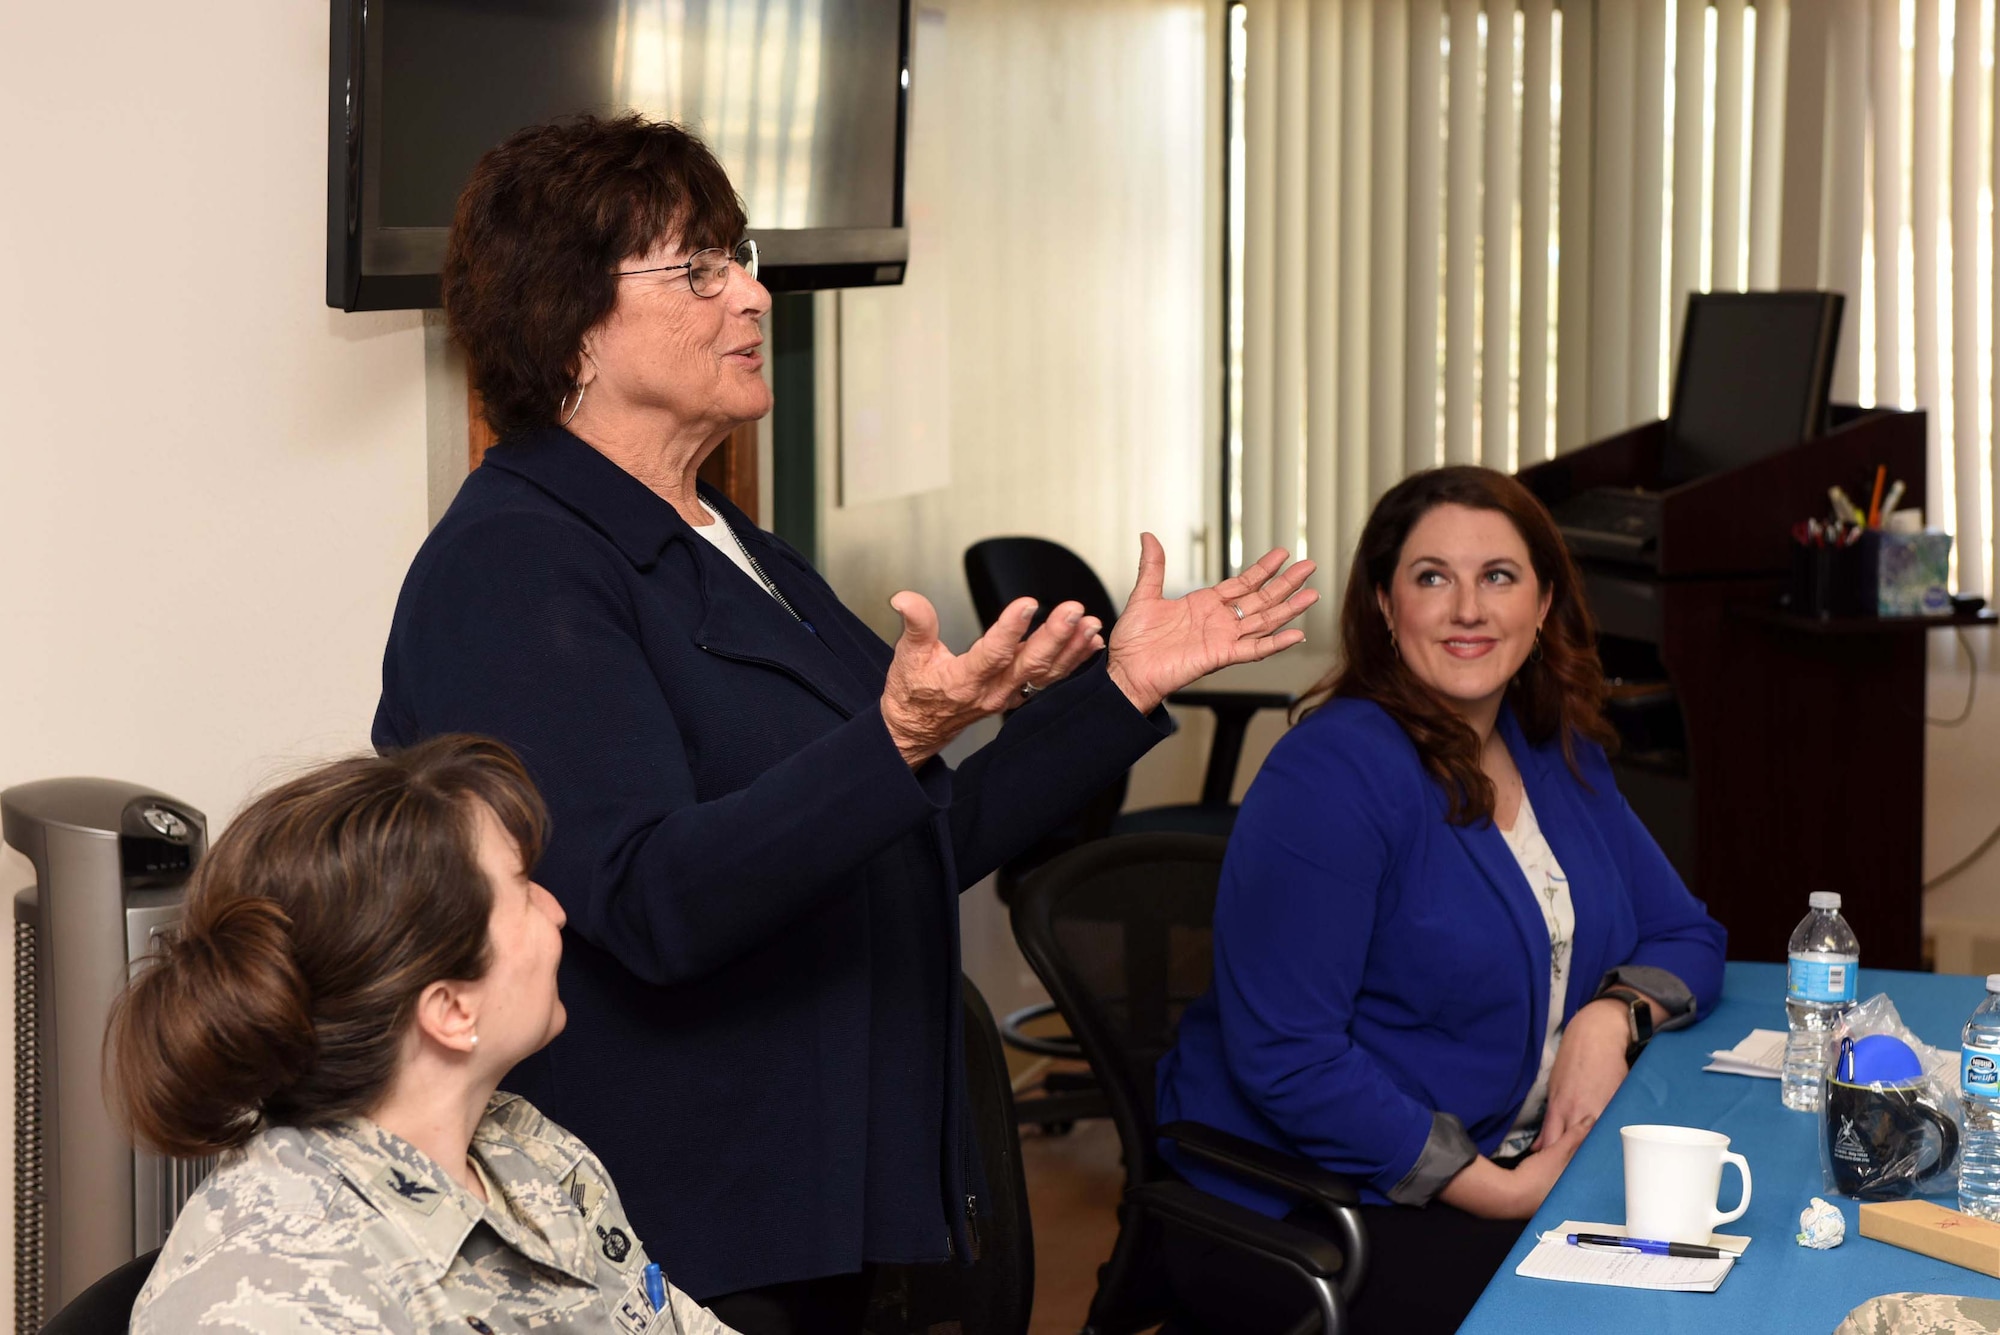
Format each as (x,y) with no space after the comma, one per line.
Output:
(1161,644)
(932,694)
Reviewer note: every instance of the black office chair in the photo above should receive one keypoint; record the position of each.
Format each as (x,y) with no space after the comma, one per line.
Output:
(998,571)
(105,1308)
(1120,932)
(993,1295)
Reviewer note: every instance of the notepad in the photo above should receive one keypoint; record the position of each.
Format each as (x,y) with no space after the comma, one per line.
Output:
(1555,1258)
(1762,1054)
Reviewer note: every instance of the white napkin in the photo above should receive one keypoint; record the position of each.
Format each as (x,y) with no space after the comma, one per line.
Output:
(1762,1054)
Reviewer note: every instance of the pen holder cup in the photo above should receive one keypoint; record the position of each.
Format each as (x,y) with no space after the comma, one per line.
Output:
(1830,581)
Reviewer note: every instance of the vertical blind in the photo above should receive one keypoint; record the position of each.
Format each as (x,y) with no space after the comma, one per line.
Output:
(1906,194)
(1469,228)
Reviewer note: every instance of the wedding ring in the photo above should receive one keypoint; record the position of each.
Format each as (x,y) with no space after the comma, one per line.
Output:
(1029,690)
(1238,609)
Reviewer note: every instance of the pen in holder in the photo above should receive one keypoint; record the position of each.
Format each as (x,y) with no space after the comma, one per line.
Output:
(1827,574)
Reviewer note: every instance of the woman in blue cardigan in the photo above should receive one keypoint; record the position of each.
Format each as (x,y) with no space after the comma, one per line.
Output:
(754,839)
(1441,933)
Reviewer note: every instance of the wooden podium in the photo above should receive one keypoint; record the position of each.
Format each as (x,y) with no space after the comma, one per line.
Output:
(1770,754)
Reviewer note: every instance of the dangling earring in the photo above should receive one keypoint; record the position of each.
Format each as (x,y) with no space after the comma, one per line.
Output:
(581,386)
(1535,655)
(1395,648)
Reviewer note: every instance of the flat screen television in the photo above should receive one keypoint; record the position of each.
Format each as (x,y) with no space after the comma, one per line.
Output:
(805,103)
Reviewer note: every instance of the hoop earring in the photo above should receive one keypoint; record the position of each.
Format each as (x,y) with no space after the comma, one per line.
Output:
(582,385)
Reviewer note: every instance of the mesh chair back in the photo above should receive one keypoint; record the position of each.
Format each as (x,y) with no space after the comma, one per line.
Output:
(999,570)
(1119,931)
(993,1295)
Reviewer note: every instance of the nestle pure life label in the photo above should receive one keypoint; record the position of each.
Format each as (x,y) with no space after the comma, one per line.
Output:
(1979,1075)
(1821,978)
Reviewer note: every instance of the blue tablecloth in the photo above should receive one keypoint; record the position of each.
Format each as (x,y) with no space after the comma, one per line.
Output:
(1778,1285)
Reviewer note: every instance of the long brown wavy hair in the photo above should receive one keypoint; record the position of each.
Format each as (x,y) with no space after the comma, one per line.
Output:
(1559,693)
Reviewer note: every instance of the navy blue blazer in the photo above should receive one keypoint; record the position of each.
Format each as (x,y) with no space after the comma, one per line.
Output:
(761,963)
(1376,965)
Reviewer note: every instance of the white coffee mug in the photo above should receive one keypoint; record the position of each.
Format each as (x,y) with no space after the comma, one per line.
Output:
(1672,1177)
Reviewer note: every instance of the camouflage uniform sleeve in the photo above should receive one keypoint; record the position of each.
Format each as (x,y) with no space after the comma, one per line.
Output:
(691,1318)
(253,1281)
(1922,1314)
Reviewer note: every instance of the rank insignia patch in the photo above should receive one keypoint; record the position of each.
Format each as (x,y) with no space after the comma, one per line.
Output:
(419,1196)
(584,1192)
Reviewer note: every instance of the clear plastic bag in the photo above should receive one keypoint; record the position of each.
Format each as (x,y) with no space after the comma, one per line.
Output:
(1895,1135)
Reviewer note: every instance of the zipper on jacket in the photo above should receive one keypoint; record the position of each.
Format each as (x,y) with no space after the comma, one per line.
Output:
(971,1233)
(765,580)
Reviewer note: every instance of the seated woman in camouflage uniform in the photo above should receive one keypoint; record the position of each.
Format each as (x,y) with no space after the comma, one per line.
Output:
(363,957)
(1922,1314)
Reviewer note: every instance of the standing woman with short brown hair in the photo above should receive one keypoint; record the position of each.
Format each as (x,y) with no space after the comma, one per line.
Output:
(758,843)
(362,957)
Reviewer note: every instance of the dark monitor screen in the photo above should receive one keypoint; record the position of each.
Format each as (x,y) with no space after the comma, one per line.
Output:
(802,103)
(1754,372)
(797,101)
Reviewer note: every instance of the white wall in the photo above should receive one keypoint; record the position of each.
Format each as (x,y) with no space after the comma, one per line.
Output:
(1080,267)
(1962,806)
(1079,262)
(210,484)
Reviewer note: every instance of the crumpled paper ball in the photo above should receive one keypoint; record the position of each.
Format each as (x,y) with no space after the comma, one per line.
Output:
(1821,1226)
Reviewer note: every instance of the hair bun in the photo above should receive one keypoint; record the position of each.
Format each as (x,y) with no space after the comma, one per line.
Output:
(312,928)
(216,1028)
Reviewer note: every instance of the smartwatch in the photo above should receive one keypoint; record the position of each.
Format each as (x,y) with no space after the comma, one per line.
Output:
(1638,1019)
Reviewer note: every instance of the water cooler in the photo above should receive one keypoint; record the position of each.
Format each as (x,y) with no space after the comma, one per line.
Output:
(111,864)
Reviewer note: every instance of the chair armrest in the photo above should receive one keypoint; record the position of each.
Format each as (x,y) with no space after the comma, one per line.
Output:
(1240,1227)
(1245,701)
(1261,1164)
(1246,1159)
(1232,710)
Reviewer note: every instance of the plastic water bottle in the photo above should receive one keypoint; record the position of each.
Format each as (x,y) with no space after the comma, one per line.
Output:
(1819,987)
(1979,1099)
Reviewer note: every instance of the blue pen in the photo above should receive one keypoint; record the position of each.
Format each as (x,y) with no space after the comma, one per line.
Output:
(1648,1246)
(656,1286)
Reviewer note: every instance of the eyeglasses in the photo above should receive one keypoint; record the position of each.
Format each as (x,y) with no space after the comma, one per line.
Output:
(708,270)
